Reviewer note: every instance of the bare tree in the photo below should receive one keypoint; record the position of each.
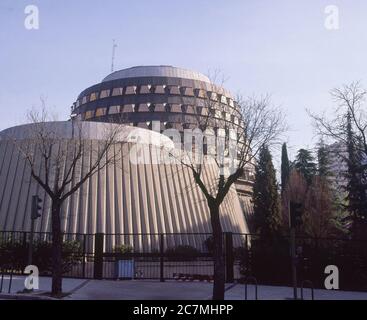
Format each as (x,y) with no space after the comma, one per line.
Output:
(56,163)
(318,212)
(320,219)
(350,99)
(230,138)
(347,126)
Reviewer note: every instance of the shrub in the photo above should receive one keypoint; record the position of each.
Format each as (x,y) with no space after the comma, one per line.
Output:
(71,255)
(123,249)
(182,253)
(267,260)
(14,254)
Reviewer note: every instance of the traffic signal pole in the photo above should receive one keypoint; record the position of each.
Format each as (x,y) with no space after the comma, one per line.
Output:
(35,213)
(30,247)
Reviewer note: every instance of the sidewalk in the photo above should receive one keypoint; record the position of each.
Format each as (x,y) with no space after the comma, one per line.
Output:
(81,289)
(44,284)
(172,290)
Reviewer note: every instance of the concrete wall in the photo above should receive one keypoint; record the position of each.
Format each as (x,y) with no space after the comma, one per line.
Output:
(122,198)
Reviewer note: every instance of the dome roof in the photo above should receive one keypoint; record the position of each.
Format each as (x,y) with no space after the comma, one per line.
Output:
(156,71)
(88,130)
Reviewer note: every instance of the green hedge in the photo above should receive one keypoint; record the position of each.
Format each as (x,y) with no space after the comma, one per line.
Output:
(14,254)
(182,253)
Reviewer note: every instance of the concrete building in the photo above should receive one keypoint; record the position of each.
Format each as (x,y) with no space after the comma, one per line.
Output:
(123,198)
(128,198)
(177,98)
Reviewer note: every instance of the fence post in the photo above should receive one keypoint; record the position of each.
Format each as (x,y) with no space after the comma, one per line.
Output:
(24,240)
(98,255)
(229,257)
(84,253)
(161,256)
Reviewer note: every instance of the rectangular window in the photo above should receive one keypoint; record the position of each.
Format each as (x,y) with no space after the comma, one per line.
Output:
(213,96)
(201,111)
(159,89)
(145,89)
(187,91)
(105,93)
(143,107)
(117,91)
(101,112)
(89,114)
(160,107)
(223,99)
(93,96)
(190,109)
(174,90)
(130,90)
(114,110)
(129,108)
(200,93)
(176,108)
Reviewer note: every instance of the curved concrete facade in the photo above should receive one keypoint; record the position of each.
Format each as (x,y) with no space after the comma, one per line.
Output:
(156,71)
(178,98)
(124,198)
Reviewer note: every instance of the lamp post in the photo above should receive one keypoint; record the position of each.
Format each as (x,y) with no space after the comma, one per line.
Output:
(295,220)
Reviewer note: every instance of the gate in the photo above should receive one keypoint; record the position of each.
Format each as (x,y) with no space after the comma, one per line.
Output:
(182,257)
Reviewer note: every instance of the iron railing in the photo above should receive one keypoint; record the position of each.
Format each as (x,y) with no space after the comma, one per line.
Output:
(188,256)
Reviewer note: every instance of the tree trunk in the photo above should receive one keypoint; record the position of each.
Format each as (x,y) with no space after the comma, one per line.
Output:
(219,265)
(56,249)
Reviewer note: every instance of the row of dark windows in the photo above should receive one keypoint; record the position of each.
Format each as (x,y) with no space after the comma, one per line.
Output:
(158,89)
(167,108)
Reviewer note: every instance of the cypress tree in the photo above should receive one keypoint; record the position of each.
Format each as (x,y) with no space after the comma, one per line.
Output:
(265,196)
(285,167)
(305,164)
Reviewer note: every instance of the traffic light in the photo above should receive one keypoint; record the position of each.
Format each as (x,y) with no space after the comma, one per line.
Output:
(296,210)
(36,207)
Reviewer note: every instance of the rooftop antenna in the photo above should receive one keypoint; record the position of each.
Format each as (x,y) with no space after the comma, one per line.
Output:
(114,46)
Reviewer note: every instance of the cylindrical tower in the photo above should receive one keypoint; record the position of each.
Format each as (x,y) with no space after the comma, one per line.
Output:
(177,98)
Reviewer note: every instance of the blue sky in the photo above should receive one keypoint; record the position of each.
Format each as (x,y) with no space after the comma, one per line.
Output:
(261,46)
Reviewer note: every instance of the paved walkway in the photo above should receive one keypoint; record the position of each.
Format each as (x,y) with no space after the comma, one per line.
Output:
(81,289)
(44,284)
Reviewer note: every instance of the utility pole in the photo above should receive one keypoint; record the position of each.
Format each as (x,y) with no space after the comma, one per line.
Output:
(35,213)
(114,46)
(294,262)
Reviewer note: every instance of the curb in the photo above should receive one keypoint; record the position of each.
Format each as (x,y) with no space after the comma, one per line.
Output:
(24,296)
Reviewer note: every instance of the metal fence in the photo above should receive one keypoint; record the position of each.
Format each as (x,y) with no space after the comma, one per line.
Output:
(269,261)
(188,257)
(158,256)
(78,254)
